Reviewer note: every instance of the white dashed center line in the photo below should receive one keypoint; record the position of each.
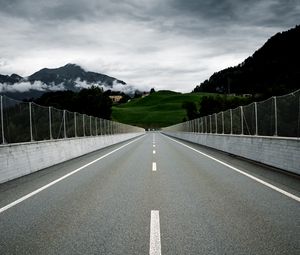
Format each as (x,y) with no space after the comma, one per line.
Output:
(154,166)
(155,246)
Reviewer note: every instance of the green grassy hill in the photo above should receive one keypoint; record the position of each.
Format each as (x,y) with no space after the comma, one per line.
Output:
(159,109)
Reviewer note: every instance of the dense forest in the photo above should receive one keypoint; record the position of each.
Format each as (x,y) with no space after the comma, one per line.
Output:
(274,69)
(93,101)
(213,104)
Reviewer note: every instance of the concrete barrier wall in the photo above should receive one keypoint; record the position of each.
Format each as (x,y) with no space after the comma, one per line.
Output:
(283,153)
(21,159)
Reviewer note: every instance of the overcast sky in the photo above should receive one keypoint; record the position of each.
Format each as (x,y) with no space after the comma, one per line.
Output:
(165,44)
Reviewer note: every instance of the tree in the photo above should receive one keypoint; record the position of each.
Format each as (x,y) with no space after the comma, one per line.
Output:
(191,109)
(92,101)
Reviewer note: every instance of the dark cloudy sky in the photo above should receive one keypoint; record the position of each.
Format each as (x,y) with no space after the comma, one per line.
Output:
(166,44)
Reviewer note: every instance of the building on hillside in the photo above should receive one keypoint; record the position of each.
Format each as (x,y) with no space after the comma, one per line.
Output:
(115,99)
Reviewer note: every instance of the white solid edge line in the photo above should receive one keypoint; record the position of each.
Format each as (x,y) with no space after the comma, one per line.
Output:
(61,178)
(242,172)
(153,166)
(155,246)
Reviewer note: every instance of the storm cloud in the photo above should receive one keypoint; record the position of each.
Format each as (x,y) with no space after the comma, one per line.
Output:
(170,44)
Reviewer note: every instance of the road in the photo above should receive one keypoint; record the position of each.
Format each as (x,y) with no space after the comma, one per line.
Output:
(152,195)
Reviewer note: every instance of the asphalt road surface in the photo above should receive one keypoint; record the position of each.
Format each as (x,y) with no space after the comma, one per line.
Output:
(152,195)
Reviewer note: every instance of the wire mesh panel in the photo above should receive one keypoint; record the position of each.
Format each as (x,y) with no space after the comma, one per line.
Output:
(249,119)
(266,117)
(105,127)
(70,124)
(213,123)
(94,126)
(196,121)
(87,128)
(236,121)
(40,122)
(220,122)
(108,127)
(101,130)
(112,127)
(79,124)
(227,122)
(288,115)
(202,125)
(57,120)
(206,124)
(91,126)
(16,121)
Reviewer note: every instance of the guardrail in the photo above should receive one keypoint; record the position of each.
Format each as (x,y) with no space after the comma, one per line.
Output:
(28,122)
(276,116)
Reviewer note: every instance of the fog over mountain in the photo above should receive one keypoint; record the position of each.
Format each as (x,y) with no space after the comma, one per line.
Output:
(69,77)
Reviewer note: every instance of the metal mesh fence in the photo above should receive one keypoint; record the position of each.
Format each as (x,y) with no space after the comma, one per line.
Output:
(227,122)
(276,116)
(236,121)
(249,121)
(40,122)
(288,115)
(16,121)
(266,117)
(27,121)
(220,123)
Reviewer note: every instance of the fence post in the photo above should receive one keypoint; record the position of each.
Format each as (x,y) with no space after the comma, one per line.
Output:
(231,121)
(50,124)
(96,119)
(83,124)
(65,132)
(223,124)
(75,125)
(216,120)
(256,123)
(210,125)
(206,124)
(91,126)
(2,124)
(30,122)
(242,120)
(275,116)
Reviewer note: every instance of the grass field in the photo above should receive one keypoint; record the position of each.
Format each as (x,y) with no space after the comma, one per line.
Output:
(159,109)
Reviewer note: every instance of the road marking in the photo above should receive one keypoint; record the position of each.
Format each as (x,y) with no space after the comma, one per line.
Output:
(154,151)
(154,166)
(62,178)
(155,246)
(153,145)
(244,173)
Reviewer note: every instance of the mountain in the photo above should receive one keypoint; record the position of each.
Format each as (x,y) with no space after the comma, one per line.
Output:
(69,77)
(14,78)
(274,69)
(70,74)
